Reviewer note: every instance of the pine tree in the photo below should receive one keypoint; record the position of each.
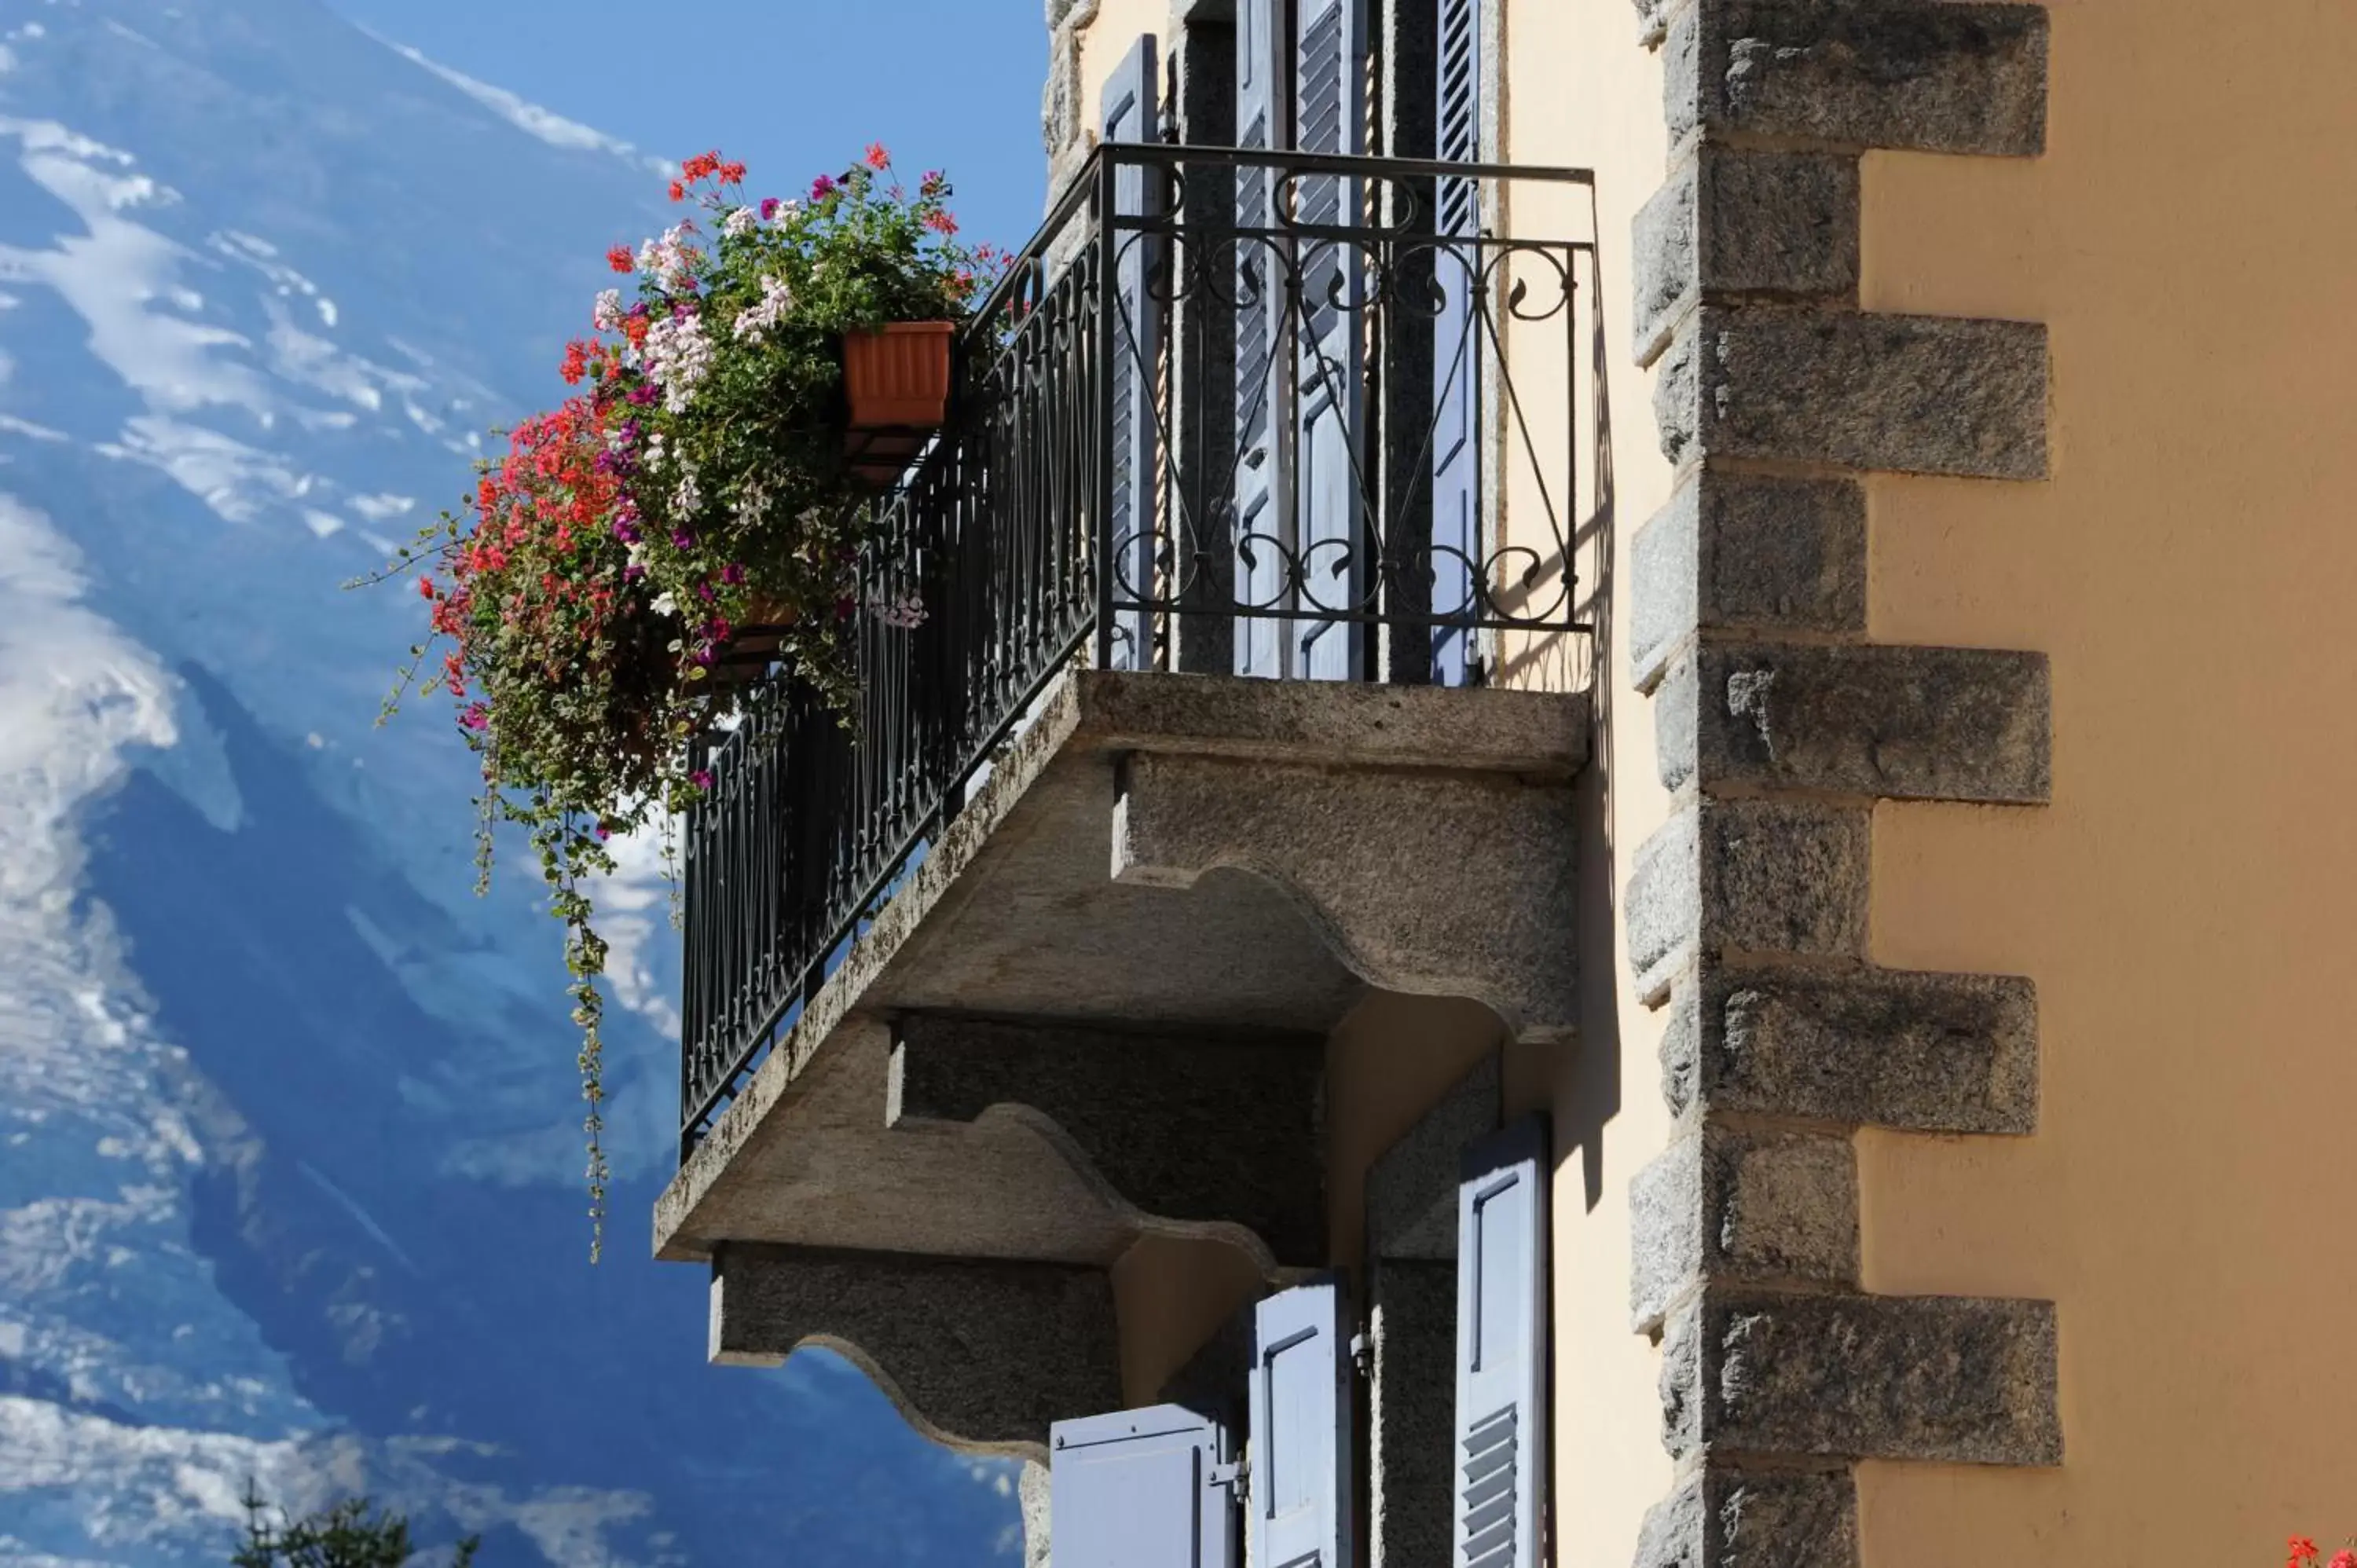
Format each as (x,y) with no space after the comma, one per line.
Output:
(350,1534)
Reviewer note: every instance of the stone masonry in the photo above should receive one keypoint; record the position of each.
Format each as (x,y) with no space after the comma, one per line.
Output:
(1778,727)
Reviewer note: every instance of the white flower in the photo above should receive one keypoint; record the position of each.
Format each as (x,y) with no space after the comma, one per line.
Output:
(904,611)
(654,453)
(607,315)
(756,319)
(740,220)
(664,605)
(687,496)
(677,356)
(671,261)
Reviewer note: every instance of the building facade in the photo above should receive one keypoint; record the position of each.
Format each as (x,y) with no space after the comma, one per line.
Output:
(1608,841)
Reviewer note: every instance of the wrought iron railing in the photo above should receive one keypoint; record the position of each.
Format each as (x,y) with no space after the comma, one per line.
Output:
(1287,415)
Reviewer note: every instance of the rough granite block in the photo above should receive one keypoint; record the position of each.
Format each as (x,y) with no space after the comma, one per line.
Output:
(1722,1205)
(1723,1516)
(1748,876)
(1733,223)
(1919,394)
(1745,551)
(1952,1379)
(1931,1053)
(1941,78)
(1885,720)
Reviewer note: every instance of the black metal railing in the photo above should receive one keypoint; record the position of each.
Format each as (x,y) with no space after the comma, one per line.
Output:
(1287,415)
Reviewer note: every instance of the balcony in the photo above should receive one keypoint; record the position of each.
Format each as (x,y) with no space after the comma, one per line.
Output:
(1219,667)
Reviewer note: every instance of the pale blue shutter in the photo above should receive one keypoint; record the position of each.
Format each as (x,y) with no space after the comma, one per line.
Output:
(1330,62)
(1263,124)
(1301,1497)
(1141,1488)
(1457,346)
(1501,1350)
(1130,107)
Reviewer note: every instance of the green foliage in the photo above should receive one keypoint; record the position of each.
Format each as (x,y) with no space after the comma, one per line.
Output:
(609,563)
(350,1534)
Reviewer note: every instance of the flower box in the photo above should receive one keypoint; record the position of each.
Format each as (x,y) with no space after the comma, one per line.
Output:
(896,385)
(897,376)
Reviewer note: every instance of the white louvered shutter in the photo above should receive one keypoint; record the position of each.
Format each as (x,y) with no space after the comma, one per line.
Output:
(1331,543)
(1129,111)
(1457,346)
(1263,122)
(1300,1498)
(1502,1351)
(1141,1488)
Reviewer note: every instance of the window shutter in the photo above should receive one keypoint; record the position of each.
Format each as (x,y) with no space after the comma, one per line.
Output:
(1263,124)
(1141,1488)
(1502,1349)
(1457,346)
(1300,1497)
(1130,112)
(1330,86)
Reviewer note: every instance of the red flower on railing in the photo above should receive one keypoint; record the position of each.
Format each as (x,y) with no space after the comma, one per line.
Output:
(693,484)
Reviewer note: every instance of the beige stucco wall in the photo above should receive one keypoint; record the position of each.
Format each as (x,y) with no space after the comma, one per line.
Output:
(1386,1064)
(1580,92)
(2187,905)
(1107,39)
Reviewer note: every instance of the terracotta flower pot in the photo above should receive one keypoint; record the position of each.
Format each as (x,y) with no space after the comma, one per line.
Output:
(896,381)
(754,645)
(898,376)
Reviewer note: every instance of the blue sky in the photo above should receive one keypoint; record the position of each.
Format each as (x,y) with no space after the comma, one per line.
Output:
(791,87)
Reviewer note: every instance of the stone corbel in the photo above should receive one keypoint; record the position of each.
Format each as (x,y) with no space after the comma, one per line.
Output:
(1203,1132)
(978,1356)
(1431,882)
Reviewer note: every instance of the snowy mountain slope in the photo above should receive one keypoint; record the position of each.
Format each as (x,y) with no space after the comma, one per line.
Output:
(290,1176)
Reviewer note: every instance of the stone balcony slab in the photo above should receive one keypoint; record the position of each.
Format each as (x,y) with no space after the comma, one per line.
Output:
(1157,866)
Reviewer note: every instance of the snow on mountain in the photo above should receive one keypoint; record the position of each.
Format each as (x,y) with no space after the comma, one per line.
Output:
(289,1164)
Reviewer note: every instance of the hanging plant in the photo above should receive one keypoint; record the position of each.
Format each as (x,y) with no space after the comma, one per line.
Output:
(692,499)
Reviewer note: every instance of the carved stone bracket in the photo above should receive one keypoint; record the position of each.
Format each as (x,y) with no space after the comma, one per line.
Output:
(1422,882)
(979,1356)
(1179,1125)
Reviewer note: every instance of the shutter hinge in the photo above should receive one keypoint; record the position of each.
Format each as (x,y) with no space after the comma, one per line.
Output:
(1234,1475)
(1362,1355)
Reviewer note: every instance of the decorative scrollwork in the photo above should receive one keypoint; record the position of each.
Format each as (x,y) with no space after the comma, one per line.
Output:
(1312,413)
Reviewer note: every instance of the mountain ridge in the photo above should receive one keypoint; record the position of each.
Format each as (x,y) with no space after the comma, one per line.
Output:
(291,1181)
